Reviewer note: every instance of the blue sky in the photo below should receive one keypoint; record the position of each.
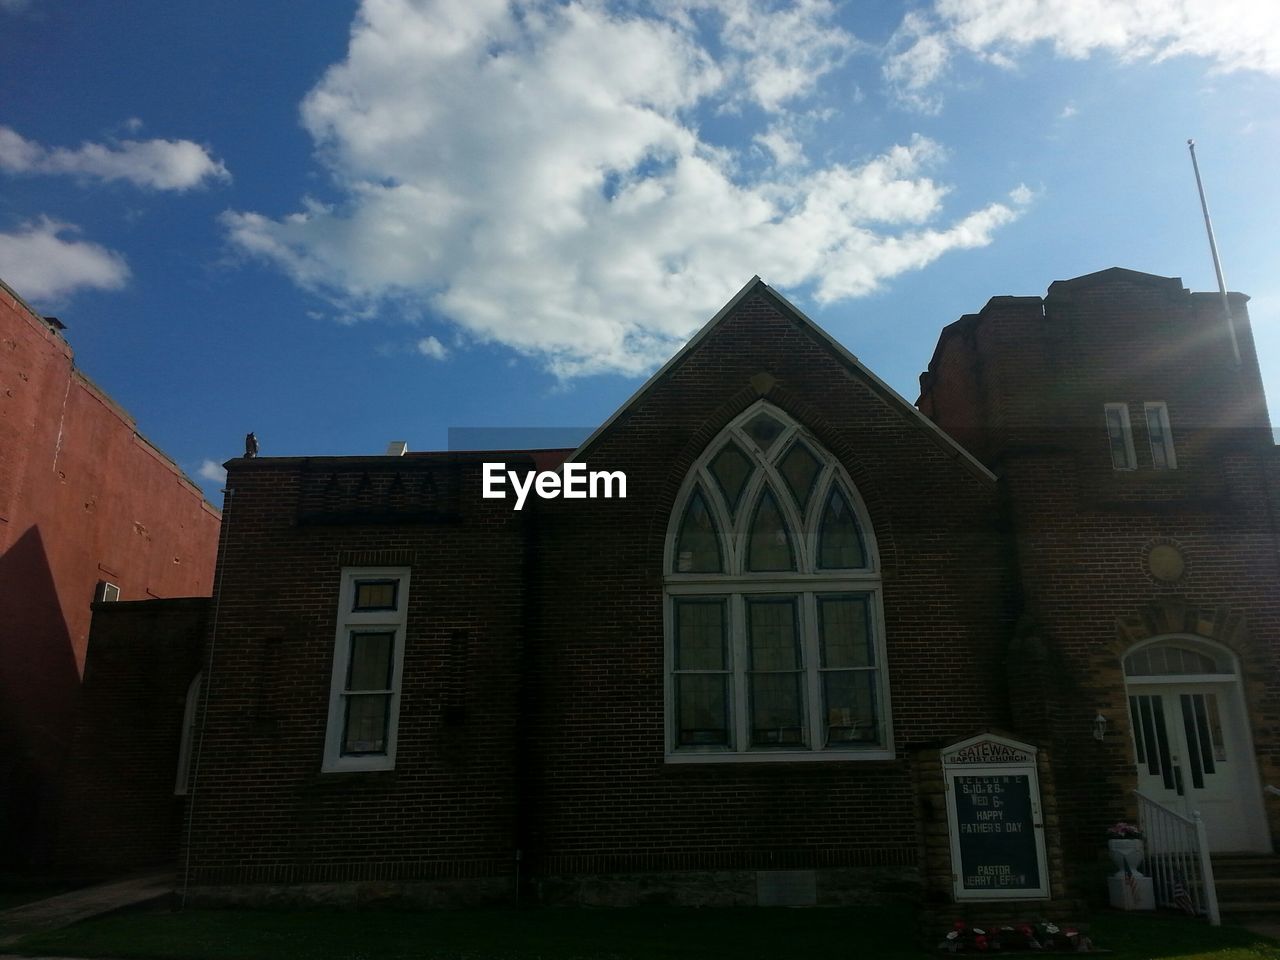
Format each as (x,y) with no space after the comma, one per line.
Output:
(340,224)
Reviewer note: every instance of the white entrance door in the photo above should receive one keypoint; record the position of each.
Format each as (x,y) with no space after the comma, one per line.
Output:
(1191,741)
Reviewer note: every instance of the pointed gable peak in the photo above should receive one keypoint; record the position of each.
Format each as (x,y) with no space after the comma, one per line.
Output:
(883,390)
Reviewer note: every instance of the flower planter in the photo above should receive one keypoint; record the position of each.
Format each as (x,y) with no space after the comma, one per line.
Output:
(1124,852)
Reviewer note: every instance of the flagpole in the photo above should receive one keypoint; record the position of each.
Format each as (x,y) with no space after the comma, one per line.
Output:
(1217,265)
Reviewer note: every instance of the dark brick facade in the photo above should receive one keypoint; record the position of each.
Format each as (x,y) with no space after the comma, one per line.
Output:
(118,810)
(532,709)
(1025,383)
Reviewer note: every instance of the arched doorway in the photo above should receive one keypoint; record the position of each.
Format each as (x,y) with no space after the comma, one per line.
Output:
(1191,738)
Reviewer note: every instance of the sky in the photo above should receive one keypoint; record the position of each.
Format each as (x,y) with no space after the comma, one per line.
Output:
(342,224)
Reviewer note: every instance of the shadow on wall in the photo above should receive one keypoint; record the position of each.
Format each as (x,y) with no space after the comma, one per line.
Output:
(38,685)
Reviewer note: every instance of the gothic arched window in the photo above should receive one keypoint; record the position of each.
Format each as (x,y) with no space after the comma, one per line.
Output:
(774,629)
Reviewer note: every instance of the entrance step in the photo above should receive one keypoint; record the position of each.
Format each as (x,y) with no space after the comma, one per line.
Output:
(1246,865)
(1248,886)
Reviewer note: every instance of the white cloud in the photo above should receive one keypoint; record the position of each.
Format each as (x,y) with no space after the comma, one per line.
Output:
(41,264)
(1069,111)
(783,144)
(14,6)
(777,52)
(918,58)
(536,174)
(1232,34)
(212,471)
(433,348)
(158,164)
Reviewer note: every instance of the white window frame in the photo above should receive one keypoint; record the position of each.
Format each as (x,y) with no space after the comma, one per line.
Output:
(348,621)
(182,781)
(807,583)
(1126,429)
(1160,410)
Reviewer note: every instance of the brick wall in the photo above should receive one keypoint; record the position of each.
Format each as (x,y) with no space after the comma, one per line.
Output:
(261,809)
(567,596)
(605,797)
(83,497)
(118,808)
(1083,529)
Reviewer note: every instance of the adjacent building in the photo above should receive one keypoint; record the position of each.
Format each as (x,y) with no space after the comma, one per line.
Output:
(89,511)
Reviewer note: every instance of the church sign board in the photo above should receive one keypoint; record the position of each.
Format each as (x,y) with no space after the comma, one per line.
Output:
(995,820)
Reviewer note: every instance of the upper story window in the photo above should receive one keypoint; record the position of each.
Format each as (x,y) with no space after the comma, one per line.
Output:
(368,656)
(1120,437)
(1162,454)
(775,640)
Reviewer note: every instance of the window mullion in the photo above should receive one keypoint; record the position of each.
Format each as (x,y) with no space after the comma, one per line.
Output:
(738,651)
(812,660)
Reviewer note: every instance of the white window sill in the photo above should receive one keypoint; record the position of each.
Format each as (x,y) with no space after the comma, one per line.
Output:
(358,764)
(783,756)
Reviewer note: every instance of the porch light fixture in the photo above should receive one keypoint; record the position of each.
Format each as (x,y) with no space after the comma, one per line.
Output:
(1099,727)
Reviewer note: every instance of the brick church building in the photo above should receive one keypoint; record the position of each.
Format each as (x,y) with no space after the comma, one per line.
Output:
(745,681)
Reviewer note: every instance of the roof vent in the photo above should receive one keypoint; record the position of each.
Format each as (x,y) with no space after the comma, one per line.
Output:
(397,448)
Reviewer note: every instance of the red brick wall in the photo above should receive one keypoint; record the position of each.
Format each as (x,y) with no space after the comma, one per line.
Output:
(570,768)
(83,498)
(606,798)
(118,809)
(1083,528)
(261,808)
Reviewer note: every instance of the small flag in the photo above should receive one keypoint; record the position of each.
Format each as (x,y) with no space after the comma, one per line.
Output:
(1182,898)
(1130,881)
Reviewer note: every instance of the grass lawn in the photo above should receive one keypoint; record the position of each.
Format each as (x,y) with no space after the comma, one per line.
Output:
(643,933)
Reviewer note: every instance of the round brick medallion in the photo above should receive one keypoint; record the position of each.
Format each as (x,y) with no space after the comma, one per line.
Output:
(1165,562)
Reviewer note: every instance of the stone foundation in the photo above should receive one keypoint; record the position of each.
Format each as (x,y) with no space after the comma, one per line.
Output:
(734,888)
(433,894)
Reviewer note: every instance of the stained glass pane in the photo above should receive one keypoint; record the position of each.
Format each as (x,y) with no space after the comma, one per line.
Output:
(370,666)
(849,705)
(697,546)
(770,544)
(702,709)
(800,468)
(732,469)
(375,595)
(700,635)
(763,429)
(366,724)
(772,625)
(776,710)
(846,641)
(839,541)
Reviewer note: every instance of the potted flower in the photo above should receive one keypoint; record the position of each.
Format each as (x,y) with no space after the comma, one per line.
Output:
(1124,841)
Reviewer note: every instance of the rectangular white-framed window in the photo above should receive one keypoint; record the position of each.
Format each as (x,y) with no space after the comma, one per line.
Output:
(787,670)
(1120,437)
(368,658)
(1161,437)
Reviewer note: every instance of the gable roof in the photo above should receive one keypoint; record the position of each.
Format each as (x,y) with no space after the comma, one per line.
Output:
(878,386)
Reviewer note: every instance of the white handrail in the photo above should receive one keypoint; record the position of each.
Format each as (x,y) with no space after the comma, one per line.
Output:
(1178,858)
